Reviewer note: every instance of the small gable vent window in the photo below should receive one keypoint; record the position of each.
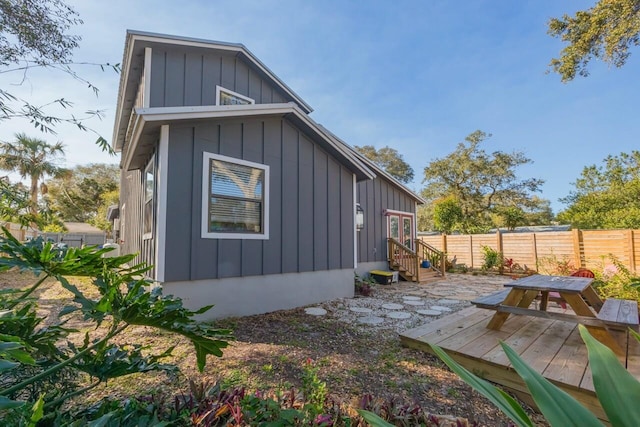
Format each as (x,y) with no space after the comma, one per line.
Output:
(235,198)
(229,97)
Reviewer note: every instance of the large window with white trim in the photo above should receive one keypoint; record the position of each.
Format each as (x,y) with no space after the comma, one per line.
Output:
(235,198)
(225,96)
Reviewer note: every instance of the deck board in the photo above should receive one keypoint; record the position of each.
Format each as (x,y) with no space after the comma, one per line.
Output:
(570,363)
(552,347)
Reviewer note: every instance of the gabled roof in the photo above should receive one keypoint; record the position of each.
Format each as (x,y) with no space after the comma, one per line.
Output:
(133,62)
(377,169)
(82,228)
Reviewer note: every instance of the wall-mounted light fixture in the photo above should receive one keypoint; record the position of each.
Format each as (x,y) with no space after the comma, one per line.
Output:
(359,217)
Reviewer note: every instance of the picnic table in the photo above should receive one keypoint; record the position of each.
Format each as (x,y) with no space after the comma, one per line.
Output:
(599,317)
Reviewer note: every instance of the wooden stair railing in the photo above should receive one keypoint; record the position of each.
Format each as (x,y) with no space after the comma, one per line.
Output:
(437,259)
(403,260)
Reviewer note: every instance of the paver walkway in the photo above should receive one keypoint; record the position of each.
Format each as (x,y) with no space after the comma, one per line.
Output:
(404,305)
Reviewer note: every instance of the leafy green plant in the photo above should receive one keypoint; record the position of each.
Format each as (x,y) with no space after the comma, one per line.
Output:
(314,389)
(614,280)
(391,412)
(556,266)
(617,389)
(364,285)
(492,258)
(123,299)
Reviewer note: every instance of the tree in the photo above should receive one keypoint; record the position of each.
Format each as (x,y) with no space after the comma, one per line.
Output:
(390,160)
(480,182)
(606,196)
(31,158)
(447,214)
(79,194)
(538,212)
(34,33)
(605,32)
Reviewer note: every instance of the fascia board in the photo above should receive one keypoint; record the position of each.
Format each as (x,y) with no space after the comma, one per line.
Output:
(124,78)
(210,111)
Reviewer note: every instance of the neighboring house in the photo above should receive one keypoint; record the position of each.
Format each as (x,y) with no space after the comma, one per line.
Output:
(234,194)
(78,234)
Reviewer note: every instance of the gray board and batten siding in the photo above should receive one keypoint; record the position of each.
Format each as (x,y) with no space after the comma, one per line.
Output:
(131,220)
(375,196)
(188,77)
(311,202)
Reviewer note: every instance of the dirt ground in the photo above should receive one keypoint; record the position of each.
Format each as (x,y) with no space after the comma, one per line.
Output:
(354,358)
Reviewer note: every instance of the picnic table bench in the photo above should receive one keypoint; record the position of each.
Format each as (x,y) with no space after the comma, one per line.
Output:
(598,316)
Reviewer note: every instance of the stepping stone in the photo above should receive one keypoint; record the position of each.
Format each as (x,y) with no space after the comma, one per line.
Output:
(429,312)
(315,311)
(360,309)
(448,301)
(415,303)
(410,298)
(399,315)
(392,306)
(440,308)
(370,320)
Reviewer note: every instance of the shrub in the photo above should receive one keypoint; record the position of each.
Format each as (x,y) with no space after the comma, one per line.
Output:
(614,280)
(492,258)
(555,266)
(42,361)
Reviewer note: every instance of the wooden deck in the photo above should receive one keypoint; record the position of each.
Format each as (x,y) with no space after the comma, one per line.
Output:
(552,347)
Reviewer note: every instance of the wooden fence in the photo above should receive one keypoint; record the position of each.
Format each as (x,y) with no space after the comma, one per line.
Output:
(19,232)
(581,248)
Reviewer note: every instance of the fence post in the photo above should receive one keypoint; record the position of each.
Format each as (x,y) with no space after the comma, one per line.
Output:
(444,243)
(632,251)
(577,251)
(471,248)
(535,250)
(500,249)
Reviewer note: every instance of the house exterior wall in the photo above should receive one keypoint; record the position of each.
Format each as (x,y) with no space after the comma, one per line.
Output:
(311,203)
(242,296)
(375,196)
(131,241)
(188,77)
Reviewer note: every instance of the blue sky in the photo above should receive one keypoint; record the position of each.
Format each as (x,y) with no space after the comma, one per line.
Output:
(418,76)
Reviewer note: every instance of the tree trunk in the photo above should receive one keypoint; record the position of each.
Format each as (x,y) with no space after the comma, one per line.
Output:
(34,194)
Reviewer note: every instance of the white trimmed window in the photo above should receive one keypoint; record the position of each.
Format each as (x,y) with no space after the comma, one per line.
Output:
(235,198)
(228,97)
(149,195)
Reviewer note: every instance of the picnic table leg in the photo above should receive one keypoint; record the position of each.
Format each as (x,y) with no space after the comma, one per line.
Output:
(592,298)
(514,298)
(580,307)
(544,300)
